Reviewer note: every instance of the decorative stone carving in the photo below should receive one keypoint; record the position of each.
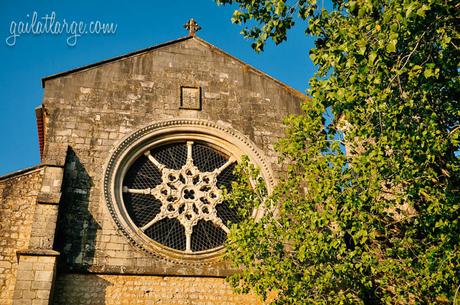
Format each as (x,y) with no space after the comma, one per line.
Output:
(179,189)
(190,98)
(187,195)
(192,27)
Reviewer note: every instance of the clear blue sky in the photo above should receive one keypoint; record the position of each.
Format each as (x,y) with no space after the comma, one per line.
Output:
(140,24)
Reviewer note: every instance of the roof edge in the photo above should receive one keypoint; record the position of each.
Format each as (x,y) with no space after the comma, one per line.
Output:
(85,67)
(26,171)
(40,128)
(213,47)
(21,172)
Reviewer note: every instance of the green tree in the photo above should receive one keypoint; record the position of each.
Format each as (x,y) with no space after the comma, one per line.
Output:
(368,212)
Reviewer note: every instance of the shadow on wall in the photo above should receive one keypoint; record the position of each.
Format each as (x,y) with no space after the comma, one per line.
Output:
(81,289)
(76,231)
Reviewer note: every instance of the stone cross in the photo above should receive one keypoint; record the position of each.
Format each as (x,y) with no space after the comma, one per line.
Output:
(192,27)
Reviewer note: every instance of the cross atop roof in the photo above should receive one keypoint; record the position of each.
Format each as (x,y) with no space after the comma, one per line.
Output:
(192,27)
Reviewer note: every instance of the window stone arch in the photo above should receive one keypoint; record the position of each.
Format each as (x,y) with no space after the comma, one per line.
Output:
(162,187)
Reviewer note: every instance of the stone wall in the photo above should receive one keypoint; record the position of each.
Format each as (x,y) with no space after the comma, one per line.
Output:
(34,280)
(78,289)
(89,111)
(18,195)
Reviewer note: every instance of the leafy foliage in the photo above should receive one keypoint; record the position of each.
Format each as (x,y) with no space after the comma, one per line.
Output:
(378,221)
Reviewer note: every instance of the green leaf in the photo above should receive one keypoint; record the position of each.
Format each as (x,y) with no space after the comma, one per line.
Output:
(421,11)
(372,57)
(391,46)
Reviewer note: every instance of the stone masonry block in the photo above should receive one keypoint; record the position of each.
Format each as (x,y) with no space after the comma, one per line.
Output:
(22,302)
(43,294)
(41,285)
(43,276)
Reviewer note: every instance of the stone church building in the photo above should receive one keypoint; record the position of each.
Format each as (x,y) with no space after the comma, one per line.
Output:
(126,206)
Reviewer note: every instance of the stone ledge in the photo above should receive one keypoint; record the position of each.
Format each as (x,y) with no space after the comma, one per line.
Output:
(37,252)
(46,198)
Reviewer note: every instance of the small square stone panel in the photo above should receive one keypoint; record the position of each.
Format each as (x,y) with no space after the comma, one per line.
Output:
(190,98)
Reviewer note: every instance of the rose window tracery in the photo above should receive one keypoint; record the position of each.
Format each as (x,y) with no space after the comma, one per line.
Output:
(163,188)
(173,195)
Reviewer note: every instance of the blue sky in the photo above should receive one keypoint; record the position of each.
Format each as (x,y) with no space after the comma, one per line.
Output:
(140,24)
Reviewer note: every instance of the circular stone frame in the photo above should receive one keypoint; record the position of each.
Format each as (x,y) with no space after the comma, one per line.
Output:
(132,146)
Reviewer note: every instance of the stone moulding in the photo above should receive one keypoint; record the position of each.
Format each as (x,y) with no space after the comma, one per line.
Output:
(145,138)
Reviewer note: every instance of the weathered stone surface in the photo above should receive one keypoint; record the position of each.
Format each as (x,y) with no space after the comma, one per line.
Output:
(78,289)
(34,278)
(17,206)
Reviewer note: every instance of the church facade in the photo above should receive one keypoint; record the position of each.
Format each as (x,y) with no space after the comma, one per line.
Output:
(126,206)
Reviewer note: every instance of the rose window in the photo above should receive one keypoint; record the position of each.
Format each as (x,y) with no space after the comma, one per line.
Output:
(172,193)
